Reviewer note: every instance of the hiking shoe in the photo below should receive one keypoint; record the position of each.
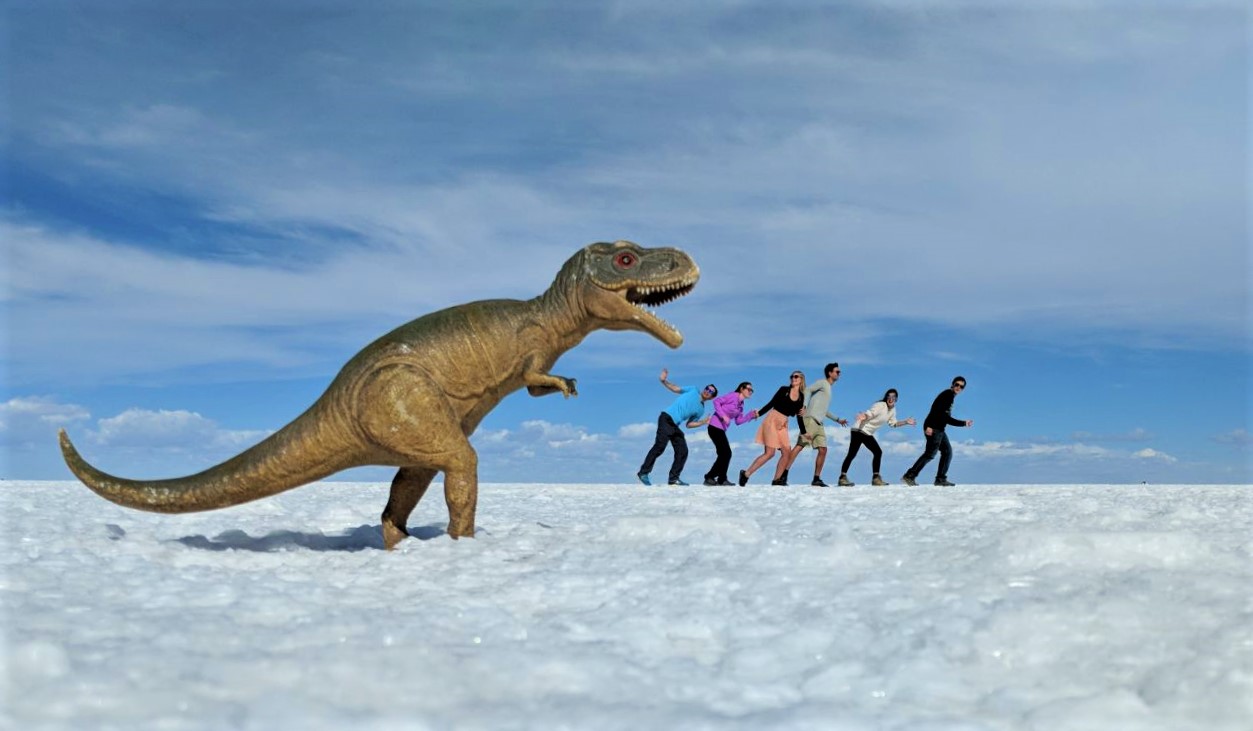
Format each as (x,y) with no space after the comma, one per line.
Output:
(743,478)
(818,482)
(723,483)
(678,482)
(643,477)
(710,483)
(943,482)
(877,481)
(845,482)
(908,481)
(779,482)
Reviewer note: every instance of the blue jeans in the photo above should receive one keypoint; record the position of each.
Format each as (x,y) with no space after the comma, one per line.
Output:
(938,441)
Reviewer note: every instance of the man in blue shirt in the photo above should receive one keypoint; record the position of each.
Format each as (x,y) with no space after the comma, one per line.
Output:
(687,409)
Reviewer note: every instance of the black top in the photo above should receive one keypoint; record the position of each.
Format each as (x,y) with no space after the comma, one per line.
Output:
(941,415)
(783,403)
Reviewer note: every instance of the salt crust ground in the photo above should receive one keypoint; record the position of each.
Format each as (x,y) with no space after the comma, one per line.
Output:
(623,607)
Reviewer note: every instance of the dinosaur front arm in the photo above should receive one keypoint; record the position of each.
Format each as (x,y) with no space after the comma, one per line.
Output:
(539,383)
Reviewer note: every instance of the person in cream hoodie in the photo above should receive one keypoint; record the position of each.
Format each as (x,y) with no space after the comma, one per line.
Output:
(868,422)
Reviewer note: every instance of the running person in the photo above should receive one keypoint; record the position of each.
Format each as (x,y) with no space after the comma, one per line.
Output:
(813,433)
(787,402)
(727,408)
(868,422)
(933,426)
(687,408)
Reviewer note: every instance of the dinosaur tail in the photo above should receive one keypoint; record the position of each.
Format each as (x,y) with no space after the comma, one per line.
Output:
(309,448)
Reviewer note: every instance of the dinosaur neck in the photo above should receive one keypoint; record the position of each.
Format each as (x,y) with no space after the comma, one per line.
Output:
(564,316)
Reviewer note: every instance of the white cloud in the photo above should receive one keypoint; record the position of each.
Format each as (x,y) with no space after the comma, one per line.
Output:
(181,430)
(33,420)
(152,442)
(1148,453)
(637,431)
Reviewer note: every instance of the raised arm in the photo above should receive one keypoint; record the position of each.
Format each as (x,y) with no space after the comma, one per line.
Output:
(664,373)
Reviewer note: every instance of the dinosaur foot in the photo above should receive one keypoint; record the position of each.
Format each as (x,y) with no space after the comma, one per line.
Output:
(393,535)
(456,532)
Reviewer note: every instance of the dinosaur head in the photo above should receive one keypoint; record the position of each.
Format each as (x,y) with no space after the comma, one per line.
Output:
(616,283)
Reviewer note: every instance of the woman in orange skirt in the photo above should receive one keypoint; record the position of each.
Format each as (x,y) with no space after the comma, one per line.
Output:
(787,402)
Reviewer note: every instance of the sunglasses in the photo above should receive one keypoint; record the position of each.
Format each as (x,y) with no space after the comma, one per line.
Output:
(959,385)
(796,375)
(711,390)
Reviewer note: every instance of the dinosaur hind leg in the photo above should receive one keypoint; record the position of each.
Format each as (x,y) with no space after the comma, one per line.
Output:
(461,492)
(408,487)
(410,416)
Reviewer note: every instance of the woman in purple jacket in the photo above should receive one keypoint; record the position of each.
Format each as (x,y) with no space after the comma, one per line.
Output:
(727,408)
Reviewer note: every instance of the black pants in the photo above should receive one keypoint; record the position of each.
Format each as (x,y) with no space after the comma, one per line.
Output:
(937,441)
(855,440)
(667,431)
(718,473)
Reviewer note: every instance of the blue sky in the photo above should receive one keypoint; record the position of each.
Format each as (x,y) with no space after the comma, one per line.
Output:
(210,207)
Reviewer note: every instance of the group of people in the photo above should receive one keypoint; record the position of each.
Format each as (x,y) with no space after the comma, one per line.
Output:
(810,406)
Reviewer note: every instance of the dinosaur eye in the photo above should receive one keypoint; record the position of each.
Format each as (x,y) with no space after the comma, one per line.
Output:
(624,260)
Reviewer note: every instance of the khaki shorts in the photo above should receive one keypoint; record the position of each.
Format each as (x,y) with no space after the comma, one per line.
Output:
(813,428)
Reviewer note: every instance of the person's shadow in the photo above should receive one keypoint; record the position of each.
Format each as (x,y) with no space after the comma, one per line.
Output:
(361,538)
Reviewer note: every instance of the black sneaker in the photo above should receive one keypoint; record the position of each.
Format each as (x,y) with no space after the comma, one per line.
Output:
(908,481)
(818,482)
(743,478)
(943,482)
(724,483)
(781,482)
(710,483)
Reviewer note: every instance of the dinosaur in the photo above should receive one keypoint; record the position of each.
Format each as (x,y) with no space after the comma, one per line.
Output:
(412,398)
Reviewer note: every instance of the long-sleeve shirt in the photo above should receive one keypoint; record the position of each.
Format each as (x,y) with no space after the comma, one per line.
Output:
(941,415)
(877,416)
(727,408)
(783,403)
(819,401)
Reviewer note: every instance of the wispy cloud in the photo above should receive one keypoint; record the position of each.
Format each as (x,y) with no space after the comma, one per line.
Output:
(1238,438)
(27,418)
(969,181)
(1139,434)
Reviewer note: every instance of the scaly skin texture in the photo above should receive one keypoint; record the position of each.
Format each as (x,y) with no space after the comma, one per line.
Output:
(413,397)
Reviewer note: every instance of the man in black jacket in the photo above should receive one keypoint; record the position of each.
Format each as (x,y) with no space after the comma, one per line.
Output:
(940,417)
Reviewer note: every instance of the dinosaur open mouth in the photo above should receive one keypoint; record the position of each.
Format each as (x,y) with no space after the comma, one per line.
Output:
(655,295)
(658,294)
